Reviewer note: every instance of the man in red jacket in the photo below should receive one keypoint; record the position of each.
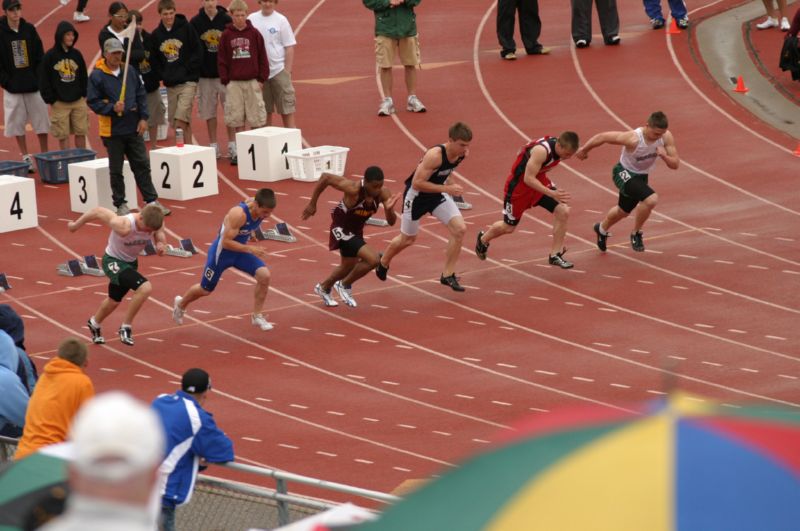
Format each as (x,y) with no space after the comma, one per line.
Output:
(243,69)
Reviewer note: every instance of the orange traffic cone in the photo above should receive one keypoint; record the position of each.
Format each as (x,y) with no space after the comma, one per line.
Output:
(673,27)
(797,151)
(740,86)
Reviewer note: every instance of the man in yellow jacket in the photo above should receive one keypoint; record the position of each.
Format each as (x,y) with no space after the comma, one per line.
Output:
(61,390)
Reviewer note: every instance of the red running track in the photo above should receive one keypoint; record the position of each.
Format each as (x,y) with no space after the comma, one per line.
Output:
(418,376)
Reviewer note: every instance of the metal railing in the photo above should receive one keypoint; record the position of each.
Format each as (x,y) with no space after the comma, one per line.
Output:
(224,504)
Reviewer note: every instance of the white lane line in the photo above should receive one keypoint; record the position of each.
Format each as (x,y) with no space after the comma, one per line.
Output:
(539,410)
(364,461)
(380,306)
(787,376)
(368,340)
(680,358)
(609,310)
(289,446)
(356,377)
(621,386)
(428,390)
(407,347)
(696,399)
(407,277)
(298,406)
(337,413)
(680,287)
(703,325)
(499,403)
(251,439)
(474,360)
(777,338)
(653,251)
(783,239)
(791,272)
(654,392)
(411,311)
(389,382)
(506,328)
(204,312)
(44,283)
(578,304)
(688,256)
(308,260)
(146,377)
(370,419)
(547,373)
(752,266)
(262,399)
(46,249)
(727,262)
(534,297)
(745,369)
(614,277)
(507,365)
(220,351)
(478,323)
(481,441)
(289,364)
(442,433)
(640,351)
(401,469)
(712,363)
(407,426)
(448,317)
(583,379)
(606,345)
(736,331)
(334,334)
(326,454)
(500,292)
(107,369)
(253,357)
(465,396)
(713,292)
(649,282)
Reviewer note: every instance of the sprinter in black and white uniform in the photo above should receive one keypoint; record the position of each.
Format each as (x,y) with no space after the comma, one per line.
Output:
(427,192)
(640,149)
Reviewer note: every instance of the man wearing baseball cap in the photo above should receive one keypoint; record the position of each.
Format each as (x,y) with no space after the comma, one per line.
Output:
(118,445)
(123,120)
(192,435)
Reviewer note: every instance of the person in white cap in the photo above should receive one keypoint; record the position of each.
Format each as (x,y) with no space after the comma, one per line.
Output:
(118,445)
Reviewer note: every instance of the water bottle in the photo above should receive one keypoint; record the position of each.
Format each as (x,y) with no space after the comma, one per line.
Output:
(179,137)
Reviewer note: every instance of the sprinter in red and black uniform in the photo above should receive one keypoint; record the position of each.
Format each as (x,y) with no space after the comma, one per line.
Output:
(360,202)
(528,186)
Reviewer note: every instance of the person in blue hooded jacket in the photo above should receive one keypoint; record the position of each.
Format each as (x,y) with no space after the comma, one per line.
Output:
(15,396)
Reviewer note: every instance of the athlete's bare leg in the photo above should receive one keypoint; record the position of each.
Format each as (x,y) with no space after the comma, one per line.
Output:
(139,297)
(643,211)
(398,243)
(457,229)
(366,262)
(262,277)
(560,216)
(192,294)
(614,215)
(339,272)
(497,229)
(106,307)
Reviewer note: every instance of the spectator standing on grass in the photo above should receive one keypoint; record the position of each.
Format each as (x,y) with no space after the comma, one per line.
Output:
(209,23)
(279,94)
(193,439)
(178,55)
(118,445)
(59,394)
(396,35)
(156,110)
(63,82)
(21,52)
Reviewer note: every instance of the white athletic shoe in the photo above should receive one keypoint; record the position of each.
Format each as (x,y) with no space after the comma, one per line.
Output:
(80,17)
(769,22)
(63,2)
(177,313)
(414,105)
(386,108)
(326,296)
(345,294)
(261,322)
(216,150)
(785,24)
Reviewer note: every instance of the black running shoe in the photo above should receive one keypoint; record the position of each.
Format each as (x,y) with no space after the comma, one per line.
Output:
(481,248)
(558,260)
(126,335)
(452,281)
(636,242)
(601,238)
(97,335)
(381,270)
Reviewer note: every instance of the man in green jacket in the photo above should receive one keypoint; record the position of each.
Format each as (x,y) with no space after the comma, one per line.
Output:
(396,34)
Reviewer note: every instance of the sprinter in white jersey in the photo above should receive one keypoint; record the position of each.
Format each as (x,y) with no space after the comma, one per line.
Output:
(129,236)
(641,148)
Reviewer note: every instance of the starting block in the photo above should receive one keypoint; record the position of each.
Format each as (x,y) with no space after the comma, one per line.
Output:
(378,222)
(4,285)
(461,204)
(280,233)
(185,250)
(76,268)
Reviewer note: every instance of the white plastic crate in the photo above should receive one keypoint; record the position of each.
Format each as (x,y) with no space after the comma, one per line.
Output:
(309,164)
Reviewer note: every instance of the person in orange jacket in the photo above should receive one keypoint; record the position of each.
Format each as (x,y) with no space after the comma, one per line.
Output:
(61,390)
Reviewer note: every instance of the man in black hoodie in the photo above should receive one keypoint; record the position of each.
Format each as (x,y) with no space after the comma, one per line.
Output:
(178,56)
(209,23)
(21,52)
(152,82)
(62,84)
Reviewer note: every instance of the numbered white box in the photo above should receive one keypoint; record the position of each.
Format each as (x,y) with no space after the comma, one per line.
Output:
(262,153)
(90,185)
(183,173)
(17,203)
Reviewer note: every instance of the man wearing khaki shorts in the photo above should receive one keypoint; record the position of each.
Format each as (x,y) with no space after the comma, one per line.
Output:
(178,55)
(62,83)
(279,40)
(396,34)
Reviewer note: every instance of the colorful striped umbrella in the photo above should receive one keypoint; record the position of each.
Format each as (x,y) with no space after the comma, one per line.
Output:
(681,463)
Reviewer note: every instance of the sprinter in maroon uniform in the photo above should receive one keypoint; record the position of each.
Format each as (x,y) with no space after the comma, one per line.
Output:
(360,202)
